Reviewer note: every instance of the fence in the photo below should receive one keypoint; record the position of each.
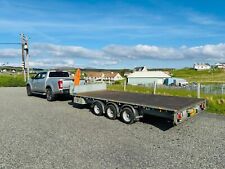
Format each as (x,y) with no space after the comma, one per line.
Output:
(217,89)
(207,89)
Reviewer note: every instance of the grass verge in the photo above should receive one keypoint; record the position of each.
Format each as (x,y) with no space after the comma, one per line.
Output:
(215,103)
(11,80)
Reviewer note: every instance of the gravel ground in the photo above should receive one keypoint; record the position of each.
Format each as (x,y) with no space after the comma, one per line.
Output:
(38,134)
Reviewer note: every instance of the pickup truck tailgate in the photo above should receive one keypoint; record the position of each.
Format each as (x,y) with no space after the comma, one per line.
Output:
(67,83)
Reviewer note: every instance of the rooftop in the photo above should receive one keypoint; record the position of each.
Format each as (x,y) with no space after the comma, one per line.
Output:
(102,74)
(149,74)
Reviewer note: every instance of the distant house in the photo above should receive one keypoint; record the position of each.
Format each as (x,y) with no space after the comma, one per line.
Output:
(202,66)
(220,65)
(147,77)
(104,76)
(36,70)
(4,70)
(13,71)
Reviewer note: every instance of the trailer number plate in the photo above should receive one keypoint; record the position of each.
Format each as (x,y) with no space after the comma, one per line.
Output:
(192,112)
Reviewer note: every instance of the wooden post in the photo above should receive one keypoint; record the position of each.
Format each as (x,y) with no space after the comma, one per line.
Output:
(125,85)
(198,90)
(222,89)
(154,90)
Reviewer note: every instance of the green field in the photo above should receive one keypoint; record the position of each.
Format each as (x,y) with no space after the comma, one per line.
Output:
(11,80)
(203,76)
(215,103)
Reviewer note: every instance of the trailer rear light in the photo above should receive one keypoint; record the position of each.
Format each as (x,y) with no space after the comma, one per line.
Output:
(179,116)
(202,106)
(60,84)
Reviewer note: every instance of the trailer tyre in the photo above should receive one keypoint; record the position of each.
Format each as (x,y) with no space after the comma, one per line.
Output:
(112,111)
(98,108)
(49,94)
(127,115)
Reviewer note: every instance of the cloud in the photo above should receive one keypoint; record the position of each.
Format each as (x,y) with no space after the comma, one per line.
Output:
(204,19)
(49,55)
(142,52)
(10,52)
(104,63)
(212,52)
(52,63)
(66,51)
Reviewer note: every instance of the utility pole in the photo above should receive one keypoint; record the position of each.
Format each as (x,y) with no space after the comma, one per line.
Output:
(25,57)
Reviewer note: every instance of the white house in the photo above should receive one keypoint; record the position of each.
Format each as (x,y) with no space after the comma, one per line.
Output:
(220,65)
(202,66)
(106,76)
(147,77)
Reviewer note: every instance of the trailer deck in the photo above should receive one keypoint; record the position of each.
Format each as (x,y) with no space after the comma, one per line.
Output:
(171,103)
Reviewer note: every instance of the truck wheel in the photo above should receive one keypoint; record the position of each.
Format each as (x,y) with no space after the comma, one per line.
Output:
(112,111)
(98,108)
(127,115)
(29,92)
(49,94)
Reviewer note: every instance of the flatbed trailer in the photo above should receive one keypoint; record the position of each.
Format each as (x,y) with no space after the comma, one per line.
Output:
(132,106)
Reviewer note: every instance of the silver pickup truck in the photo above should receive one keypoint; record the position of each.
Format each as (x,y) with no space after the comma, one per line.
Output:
(50,83)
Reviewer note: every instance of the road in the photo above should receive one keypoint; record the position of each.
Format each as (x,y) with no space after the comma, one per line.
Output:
(38,134)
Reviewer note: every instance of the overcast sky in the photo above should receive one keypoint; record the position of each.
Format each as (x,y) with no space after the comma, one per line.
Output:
(114,33)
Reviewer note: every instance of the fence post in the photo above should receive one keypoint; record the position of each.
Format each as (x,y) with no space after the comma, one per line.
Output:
(222,89)
(125,85)
(198,90)
(154,90)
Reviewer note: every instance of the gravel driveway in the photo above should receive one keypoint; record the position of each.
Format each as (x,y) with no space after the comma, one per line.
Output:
(38,134)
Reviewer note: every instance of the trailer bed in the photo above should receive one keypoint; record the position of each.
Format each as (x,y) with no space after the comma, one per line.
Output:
(171,103)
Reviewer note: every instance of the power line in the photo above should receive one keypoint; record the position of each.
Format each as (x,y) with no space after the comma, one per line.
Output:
(6,43)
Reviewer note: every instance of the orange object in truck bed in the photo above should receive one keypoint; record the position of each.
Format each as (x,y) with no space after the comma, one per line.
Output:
(77,78)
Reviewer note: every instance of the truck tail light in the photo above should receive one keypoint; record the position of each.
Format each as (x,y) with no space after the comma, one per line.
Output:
(60,84)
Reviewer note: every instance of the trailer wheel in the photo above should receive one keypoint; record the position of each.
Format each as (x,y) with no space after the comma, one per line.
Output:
(127,115)
(98,108)
(49,94)
(111,111)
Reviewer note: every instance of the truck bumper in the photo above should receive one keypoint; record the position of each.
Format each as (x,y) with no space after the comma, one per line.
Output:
(64,92)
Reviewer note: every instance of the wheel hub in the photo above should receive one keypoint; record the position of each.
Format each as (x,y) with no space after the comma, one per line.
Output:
(96,109)
(109,112)
(126,116)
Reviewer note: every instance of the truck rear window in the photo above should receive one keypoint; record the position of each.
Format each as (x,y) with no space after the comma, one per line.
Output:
(58,74)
